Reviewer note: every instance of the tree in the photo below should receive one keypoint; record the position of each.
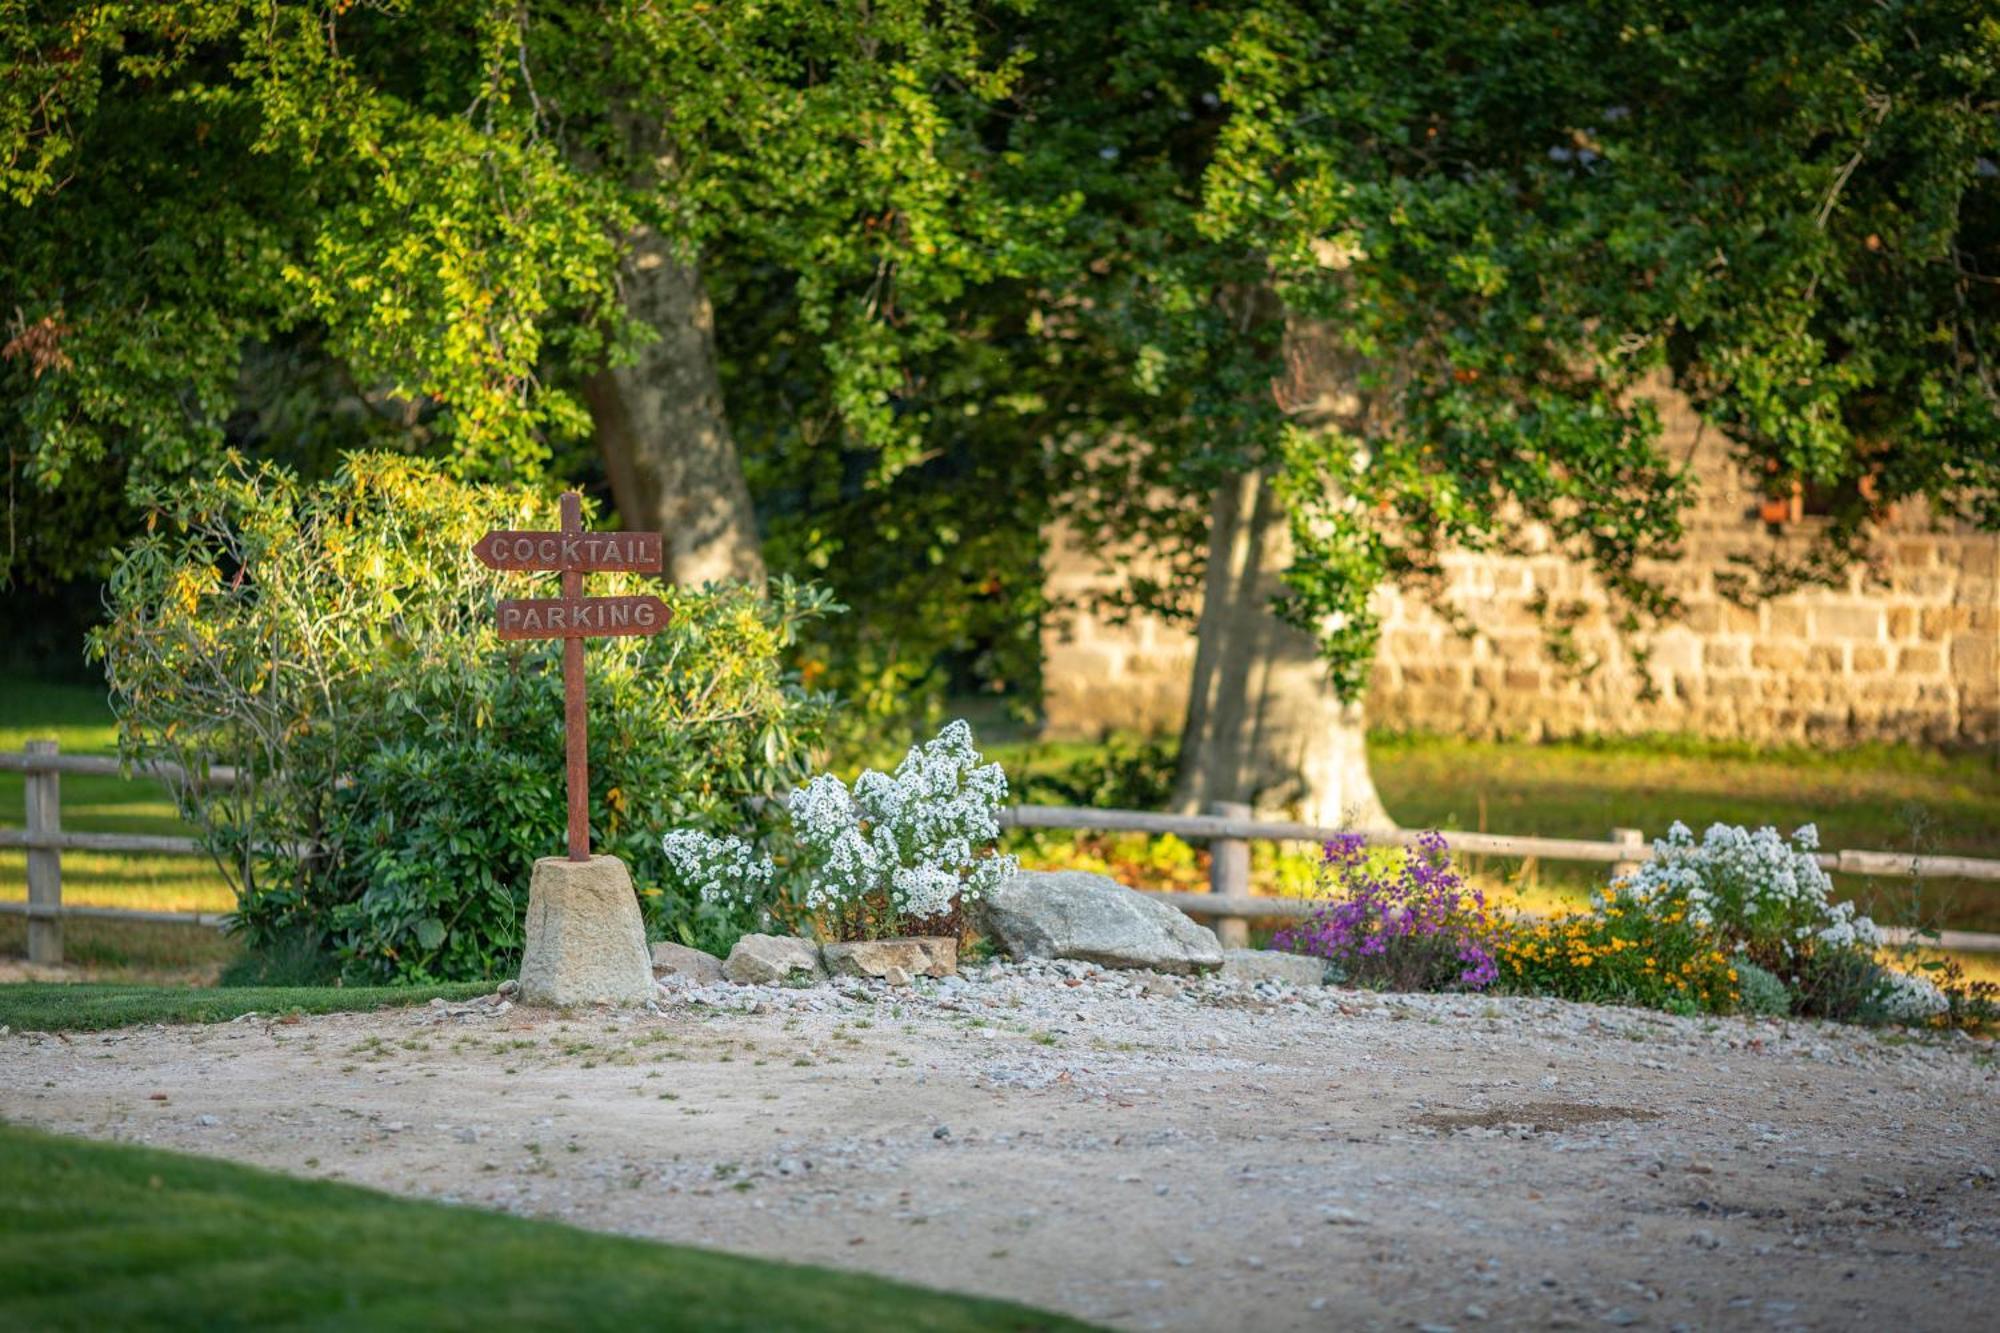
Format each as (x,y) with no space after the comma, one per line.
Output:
(1495,223)
(1324,289)
(476,210)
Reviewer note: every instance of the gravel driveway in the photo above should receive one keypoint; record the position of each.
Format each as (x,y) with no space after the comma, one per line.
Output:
(1140,1150)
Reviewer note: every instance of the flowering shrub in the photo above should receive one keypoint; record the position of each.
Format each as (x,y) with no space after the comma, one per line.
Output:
(900,851)
(1739,919)
(1418,928)
(1759,895)
(1632,949)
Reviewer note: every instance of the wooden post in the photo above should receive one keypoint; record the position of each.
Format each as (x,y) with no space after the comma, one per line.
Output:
(1229,872)
(576,718)
(1627,837)
(44,802)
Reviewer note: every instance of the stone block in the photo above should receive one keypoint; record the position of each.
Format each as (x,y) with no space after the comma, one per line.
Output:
(677,960)
(917,956)
(1848,622)
(1921,661)
(773,960)
(1785,620)
(586,942)
(1785,657)
(1972,657)
(1939,621)
(1291,969)
(1868,657)
(1725,655)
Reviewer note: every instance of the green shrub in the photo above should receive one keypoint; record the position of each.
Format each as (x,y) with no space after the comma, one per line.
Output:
(1845,985)
(403,767)
(1761,992)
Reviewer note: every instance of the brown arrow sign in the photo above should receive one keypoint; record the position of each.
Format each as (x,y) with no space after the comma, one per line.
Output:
(636,552)
(581,617)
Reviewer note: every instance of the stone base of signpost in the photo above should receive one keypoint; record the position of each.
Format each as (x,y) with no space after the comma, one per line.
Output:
(586,939)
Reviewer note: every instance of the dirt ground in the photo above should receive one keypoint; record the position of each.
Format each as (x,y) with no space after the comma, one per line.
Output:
(1140,1151)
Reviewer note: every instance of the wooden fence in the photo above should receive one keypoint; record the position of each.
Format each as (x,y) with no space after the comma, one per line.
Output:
(1228,830)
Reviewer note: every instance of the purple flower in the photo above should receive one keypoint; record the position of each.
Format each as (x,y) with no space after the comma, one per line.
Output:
(1417,928)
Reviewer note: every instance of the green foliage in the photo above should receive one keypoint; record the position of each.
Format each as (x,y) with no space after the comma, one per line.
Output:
(102,1235)
(983,265)
(1424,262)
(1123,774)
(1620,954)
(1845,985)
(1762,993)
(399,767)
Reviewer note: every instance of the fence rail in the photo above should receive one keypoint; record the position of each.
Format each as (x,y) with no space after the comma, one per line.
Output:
(1228,830)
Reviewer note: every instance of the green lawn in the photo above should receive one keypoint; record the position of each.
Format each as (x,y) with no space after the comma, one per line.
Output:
(90,1006)
(104,1236)
(79,719)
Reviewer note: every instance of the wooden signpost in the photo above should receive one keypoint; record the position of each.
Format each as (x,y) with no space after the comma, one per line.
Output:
(573,618)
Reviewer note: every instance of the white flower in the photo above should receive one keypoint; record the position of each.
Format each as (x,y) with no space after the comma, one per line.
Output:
(1751,884)
(918,839)
(722,870)
(1912,999)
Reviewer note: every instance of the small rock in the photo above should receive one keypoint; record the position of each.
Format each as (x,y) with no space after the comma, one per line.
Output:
(677,960)
(507,987)
(922,956)
(896,976)
(466,1134)
(1621,1318)
(941,1132)
(1343,1217)
(207,1121)
(772,960)
(1290,969)
(1700,1168)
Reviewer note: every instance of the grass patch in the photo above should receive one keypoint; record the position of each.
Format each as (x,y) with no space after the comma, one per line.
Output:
(97,1236)
(78,718)
(91,1006)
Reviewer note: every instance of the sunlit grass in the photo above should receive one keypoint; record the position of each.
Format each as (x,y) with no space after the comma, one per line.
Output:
(114,879)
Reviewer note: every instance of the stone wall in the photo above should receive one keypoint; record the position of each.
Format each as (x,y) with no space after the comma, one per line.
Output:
(1907,650)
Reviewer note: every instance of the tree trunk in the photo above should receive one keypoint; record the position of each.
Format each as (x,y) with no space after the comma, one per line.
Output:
(660,425)
(1263,726)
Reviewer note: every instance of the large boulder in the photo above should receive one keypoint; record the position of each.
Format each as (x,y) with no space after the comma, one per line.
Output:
(586,942)
(1292,969)
(773,960)
(1074,914)
(916,956)
(677,960)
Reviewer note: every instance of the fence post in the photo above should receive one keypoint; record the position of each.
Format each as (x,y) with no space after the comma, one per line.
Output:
(1229,872)
(44,802)
(1627,837)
